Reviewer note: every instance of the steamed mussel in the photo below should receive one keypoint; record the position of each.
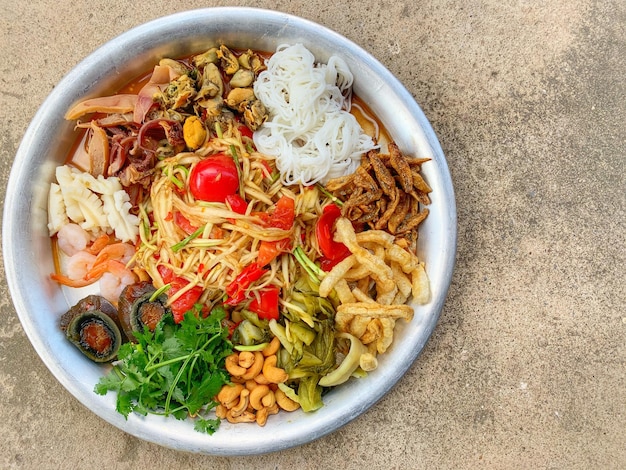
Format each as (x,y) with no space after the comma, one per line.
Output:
(138,310)
(92,326)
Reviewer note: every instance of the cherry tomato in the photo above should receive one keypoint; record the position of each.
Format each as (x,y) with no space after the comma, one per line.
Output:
(186,301)
(268,168)
(214,178)
(264,217)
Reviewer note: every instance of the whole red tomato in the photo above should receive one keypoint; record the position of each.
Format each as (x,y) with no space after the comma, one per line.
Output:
(214,178)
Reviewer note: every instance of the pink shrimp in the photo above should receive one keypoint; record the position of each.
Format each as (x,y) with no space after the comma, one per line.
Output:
(120,251)
(99,243)
(88,268)
(79,264)
(113,281)
(72,238)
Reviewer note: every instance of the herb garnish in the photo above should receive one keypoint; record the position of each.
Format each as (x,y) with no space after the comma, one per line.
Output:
(177,370)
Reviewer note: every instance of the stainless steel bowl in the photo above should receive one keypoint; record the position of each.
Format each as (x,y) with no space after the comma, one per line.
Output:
(27,254)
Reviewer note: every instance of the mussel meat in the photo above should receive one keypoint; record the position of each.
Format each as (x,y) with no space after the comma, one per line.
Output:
(91,325)
(137,310)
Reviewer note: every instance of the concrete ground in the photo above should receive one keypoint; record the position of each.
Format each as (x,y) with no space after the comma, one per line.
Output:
(527,366)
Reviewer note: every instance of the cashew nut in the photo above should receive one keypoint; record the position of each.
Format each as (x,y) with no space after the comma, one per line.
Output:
(263,413)
(246,359)
(269,399)
(251,384)
(285,402)
(233,367)
(272,348)
(257,395)
(221,411)
(261,379)
(272,373)
(255,368)
(245,417)
(239,408)
(228,395)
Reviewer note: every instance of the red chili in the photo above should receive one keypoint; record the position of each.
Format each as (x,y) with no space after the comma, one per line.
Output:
(333,252)
(266,306)
(236,290)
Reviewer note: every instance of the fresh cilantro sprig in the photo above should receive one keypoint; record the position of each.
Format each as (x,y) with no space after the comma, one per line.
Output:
(177,370)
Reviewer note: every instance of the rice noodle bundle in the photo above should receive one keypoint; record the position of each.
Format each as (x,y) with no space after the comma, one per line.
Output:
(310,132)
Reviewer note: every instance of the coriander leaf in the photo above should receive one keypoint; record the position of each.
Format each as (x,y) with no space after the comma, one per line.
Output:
(176,370)
(204,392)
(124,404)
(110,382)
(208,426)
(172,347)
(180,414)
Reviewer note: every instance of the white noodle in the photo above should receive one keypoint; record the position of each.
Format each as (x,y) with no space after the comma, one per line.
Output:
(310,132)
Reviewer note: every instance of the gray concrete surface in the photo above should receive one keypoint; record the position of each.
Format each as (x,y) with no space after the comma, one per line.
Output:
(526,368)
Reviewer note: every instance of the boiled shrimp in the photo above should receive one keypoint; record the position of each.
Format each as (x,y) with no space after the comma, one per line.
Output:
(98,244)
(119,251)
(79,264)
(114,280)
(85,267)
(72,238)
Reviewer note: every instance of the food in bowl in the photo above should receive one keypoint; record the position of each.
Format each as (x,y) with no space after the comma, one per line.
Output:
(253,225)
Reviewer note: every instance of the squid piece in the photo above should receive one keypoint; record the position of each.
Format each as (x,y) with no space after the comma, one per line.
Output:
(121,104)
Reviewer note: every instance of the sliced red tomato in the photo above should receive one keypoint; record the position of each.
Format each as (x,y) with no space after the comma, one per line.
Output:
(186,301)
(263,216)
(183,223)
(270,250)
(236,290)
(237,203)
(267,167)
(333,252)
(245,131)
(266,306)
(284,214)
(214,178)
(231,325)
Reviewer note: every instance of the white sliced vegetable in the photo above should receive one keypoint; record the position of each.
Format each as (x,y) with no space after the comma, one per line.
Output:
(57,217)
(350,363)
